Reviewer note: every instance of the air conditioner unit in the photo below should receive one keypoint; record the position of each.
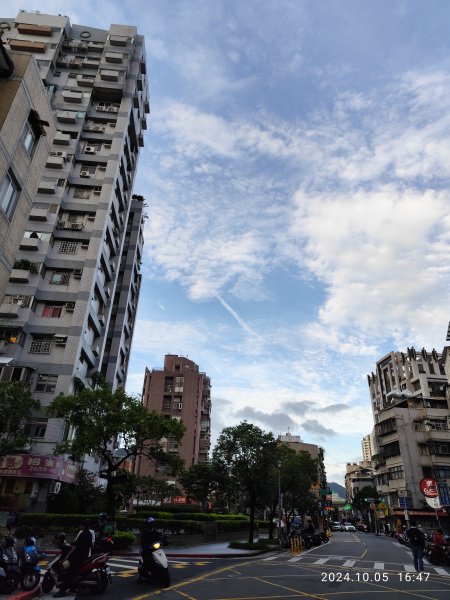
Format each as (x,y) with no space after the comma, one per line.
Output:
(97,190)
(69,306)
(60,340)
(85,174)
(76,226)
(55,487)
(77,273)
(90,149)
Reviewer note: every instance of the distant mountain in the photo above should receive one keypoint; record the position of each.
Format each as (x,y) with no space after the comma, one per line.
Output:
(338,489)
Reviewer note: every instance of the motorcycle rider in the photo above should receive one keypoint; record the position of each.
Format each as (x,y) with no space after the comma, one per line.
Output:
(149,533)
(438,540)
(77,554)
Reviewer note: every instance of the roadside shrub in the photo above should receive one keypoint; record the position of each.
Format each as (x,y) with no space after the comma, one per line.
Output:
(123,540)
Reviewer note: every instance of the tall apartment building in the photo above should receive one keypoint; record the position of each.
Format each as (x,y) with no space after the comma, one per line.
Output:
(179,391)
(410,405)
(367,447)
(71,231)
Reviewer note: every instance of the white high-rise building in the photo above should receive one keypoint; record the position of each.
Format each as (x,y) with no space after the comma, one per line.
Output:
(70,267)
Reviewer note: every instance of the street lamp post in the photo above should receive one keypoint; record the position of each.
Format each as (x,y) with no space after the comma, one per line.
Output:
(280,509)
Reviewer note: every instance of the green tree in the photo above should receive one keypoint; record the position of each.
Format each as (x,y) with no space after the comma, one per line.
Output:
(16,406)
(85,497)
(155,491)
(200,481)
(299,472)
(101,417)
(362,499)
(246,453)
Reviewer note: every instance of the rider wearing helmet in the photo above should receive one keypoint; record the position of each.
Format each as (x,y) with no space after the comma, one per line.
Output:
(149,533)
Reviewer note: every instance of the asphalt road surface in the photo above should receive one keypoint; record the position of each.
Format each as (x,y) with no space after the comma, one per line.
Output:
(352,566)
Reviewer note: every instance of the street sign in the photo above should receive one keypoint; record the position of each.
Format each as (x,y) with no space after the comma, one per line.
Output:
(444,496)
(433,502)
(428,487)
(403,502)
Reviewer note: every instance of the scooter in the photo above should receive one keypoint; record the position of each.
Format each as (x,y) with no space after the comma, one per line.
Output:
(93,575)
(30,571)
(154,564)
(9,566)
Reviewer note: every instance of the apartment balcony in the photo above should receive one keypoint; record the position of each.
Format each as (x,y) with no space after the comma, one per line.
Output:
(28,243)
(9,311)
(20,275)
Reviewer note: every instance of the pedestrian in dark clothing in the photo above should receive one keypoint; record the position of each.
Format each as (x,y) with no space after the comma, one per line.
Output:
(417,541)
(79,552)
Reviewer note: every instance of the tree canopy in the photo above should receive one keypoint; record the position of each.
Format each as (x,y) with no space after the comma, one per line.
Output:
(245,453)
(16,406)
(100,417)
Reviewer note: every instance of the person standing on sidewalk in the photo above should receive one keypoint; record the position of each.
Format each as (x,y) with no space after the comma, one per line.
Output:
(417,541)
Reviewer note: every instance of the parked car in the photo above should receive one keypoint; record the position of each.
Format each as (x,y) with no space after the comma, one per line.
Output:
(336,526)
(349,527)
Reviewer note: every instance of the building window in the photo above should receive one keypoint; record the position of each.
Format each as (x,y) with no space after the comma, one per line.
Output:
(60,278)
(68,247)
(36,428)
(29,138)
(52,311)
(9,191)
(41,345)
(46,383)
(396,473)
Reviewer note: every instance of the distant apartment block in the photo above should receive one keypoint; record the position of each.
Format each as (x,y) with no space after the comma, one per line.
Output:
(367,447)
(179,391)
(72,125)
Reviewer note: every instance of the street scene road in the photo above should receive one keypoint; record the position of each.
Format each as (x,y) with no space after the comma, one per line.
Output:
(353,565)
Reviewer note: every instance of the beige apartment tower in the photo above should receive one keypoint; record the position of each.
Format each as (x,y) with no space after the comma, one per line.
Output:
(179,391)
(410,405)
(72,123)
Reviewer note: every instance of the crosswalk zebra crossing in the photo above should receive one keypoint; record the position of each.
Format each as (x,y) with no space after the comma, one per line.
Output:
(344,562)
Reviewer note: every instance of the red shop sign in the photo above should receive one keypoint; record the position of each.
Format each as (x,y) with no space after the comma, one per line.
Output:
(428,487)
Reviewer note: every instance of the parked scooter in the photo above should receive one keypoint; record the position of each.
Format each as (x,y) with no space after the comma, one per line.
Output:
(9,566)
(30,571)
(93,575)
(436,554)
(153,564)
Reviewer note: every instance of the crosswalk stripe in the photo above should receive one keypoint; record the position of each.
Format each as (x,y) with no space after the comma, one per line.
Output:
(295,559)
(270,558)
(349,563)
(409,568)
(379,566)
(121,564)
(321,561)
(441,571)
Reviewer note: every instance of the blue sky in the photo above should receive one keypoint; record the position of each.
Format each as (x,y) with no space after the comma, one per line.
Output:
(296,168)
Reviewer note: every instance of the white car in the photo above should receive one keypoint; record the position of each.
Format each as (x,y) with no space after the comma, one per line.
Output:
(336,526)
(349,527)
